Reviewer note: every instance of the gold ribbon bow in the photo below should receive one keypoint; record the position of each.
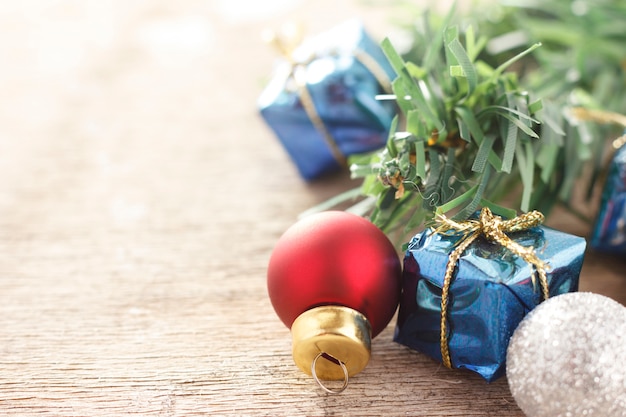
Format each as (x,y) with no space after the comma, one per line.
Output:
(495,229)
(287,41)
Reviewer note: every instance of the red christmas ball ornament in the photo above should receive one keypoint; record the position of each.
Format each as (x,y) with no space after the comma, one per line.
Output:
(334,279)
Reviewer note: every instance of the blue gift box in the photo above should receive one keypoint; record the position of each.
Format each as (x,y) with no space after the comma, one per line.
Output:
(321,102)
(490,294)
(609,233)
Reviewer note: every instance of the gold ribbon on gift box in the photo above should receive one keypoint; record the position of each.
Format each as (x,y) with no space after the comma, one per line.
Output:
(287,41)
(495,229)
(602,116)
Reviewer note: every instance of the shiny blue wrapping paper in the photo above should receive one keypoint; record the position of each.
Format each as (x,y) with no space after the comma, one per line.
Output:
(609,234)
(490,294)
(343,91)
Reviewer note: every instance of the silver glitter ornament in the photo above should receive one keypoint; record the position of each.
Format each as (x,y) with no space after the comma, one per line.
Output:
(567,358)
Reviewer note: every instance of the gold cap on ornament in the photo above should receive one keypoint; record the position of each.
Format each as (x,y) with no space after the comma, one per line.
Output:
(331,343)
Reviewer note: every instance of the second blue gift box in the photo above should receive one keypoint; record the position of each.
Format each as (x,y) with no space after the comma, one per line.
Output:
(609,234)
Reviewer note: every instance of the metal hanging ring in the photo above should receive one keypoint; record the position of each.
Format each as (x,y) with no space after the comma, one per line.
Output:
(336,361)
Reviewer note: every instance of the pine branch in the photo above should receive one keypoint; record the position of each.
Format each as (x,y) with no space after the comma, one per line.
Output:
(470,132)
(486,120)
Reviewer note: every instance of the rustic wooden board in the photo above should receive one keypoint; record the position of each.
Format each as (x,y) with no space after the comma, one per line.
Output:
(140,198)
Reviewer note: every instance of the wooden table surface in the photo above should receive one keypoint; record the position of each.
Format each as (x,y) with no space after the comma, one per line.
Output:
(140,198)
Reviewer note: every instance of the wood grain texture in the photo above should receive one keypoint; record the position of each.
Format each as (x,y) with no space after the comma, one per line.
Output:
(140,198)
